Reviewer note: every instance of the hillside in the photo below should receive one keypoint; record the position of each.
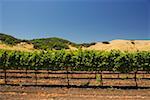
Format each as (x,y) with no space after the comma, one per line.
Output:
(7,39)
(11,43)
(22,46)
(123,45)
(57,43)
(51,43)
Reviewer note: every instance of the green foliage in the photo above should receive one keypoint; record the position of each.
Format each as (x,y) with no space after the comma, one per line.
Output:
(85,44)
(80,60)
(51,43)
(123,63)
(43,43)
(56,43)
(98,78)
(105,42)
(7,39)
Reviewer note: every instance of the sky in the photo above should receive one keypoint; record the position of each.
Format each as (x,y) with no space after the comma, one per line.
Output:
(76,20)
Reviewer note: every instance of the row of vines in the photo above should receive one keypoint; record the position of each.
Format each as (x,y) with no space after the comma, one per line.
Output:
(80,60)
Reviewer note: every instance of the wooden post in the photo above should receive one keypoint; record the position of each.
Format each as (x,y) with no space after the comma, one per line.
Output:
(143,74)
(35,76)
(95,74)
(118,75)
(5,75)
(48,72)
(67,77)
(135,79)
(101,77)
(26,73)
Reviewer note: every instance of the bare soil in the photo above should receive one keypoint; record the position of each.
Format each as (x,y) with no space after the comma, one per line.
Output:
(45,93)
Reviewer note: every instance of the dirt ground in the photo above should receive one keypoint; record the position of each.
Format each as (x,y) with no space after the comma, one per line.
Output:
(48,93)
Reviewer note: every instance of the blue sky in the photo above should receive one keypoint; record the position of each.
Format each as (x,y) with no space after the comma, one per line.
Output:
(76,20)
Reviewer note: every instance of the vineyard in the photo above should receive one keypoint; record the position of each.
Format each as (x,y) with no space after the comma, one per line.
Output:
(75,68)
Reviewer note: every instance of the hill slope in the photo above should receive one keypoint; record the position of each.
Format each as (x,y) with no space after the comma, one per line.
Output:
(7,39)
(9,42)
(12,43)
(123,45)
(51,43)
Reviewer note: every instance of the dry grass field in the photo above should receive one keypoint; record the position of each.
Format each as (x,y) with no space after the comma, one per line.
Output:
(19,47)
(122,45)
